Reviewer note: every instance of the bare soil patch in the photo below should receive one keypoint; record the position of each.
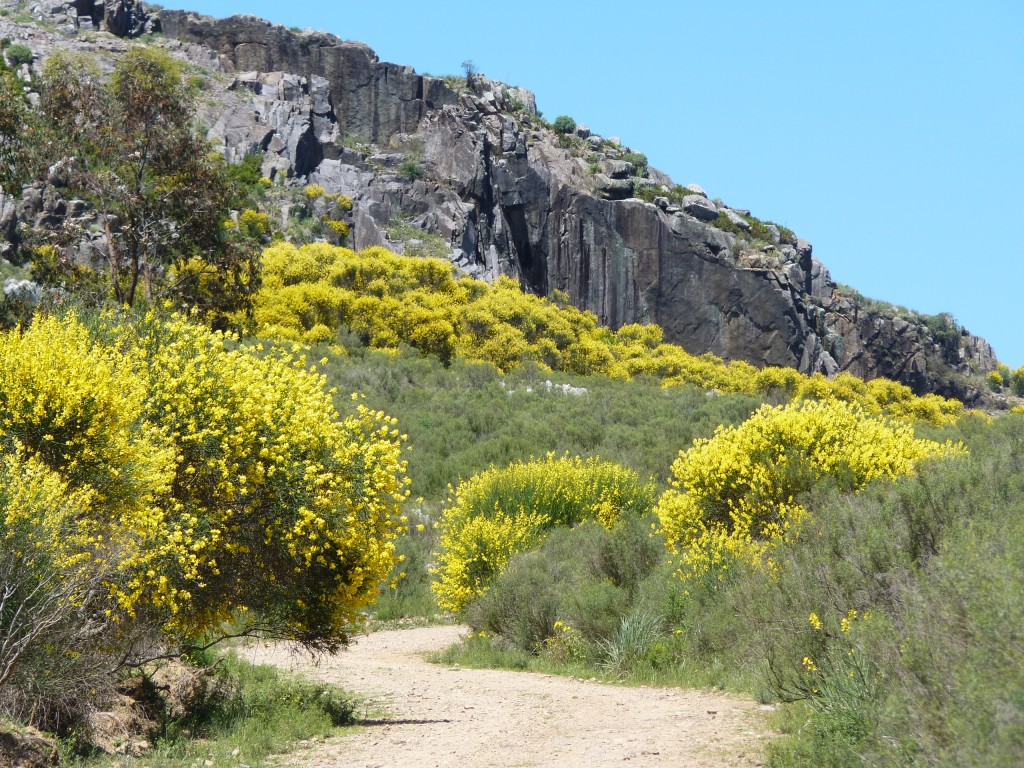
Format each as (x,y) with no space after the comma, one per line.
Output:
(440,716)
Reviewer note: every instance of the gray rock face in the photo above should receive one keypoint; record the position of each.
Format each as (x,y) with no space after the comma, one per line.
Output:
(372,100)
(700,207)
(503,197)
(124,18)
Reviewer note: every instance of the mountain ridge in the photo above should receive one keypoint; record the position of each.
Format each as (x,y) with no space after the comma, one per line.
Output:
(495,189)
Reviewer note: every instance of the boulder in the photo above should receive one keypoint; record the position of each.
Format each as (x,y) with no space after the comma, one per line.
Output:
(613,189)
(618,169)
(736,219)
(700,207)
(127,18)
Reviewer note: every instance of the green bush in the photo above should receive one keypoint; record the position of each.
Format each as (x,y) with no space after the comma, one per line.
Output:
(639,161)
(564,125)
(584,580)
(411,169)
(18,54)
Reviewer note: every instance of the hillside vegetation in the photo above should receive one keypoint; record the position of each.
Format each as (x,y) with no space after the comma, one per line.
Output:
(592,501)
(311,292)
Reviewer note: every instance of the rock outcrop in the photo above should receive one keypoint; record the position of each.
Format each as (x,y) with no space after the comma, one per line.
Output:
(472,167)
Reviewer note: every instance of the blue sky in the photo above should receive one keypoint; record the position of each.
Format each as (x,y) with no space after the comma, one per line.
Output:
(888,134)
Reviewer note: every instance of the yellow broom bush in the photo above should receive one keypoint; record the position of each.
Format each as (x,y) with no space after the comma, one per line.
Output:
(310,293)
(736,495)
(215,481)
(503,511)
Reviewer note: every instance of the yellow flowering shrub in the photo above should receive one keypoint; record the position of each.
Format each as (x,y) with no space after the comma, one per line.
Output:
(215,481)
(288,513)
(337,226)
(500,512)
(311,292)
(73,428)
(734,495)
(77,406)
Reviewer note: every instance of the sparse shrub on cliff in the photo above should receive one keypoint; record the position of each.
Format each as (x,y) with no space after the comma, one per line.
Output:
(18,54)
(564,125)
(639,161)
(411,169)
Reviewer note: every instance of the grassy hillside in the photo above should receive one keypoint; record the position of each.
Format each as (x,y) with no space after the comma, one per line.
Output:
(839,548)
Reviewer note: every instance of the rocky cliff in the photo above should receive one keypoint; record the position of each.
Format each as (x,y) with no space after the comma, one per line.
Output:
(470,168)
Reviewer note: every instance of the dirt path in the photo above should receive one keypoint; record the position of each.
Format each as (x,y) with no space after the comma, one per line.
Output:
(440,717)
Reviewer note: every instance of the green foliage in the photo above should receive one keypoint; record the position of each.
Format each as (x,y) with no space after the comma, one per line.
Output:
(248,174)
(569,596)
(18,54)
(564,125)
(17,132)
(417,242)
(638,159)
(760,232)
(411,169)
(161,193)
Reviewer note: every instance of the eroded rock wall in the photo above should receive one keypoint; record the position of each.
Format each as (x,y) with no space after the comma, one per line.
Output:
(491,187)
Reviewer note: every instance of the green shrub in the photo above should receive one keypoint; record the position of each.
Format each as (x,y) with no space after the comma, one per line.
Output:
(564,125)
(583,580)
(411,169)
(248,173)
(18,54)
(638,159)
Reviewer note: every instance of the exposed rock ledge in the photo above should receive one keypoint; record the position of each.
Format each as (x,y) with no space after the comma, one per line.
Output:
(510,197)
